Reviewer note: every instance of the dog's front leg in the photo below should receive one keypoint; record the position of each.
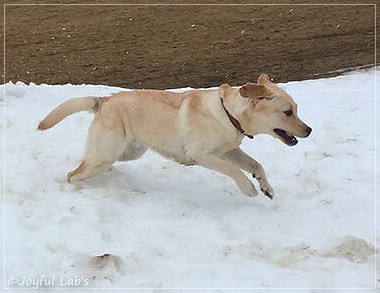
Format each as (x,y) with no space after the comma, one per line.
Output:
(246,163)
(215,163)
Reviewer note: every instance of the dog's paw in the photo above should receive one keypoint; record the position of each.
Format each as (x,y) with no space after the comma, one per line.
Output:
(268,191)
(72,177)
(69,177)
(248,189)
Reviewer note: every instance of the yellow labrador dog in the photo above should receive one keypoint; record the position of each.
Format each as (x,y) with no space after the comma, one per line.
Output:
(202,127)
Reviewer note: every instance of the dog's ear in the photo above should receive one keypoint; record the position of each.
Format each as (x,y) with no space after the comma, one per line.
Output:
(263,78)
(223,89)
(254,91)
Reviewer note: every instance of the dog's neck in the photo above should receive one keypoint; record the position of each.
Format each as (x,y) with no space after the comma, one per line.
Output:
(234,121)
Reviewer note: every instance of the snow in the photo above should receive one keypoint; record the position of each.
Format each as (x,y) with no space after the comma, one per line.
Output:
(161,225)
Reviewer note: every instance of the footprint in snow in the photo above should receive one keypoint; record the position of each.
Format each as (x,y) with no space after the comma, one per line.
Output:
(351,248)
(292,256)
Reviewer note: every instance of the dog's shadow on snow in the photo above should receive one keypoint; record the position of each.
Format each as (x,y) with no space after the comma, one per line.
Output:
(111,184)
(171,182)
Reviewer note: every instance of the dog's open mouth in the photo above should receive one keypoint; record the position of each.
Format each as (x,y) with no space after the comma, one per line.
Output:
(286,137)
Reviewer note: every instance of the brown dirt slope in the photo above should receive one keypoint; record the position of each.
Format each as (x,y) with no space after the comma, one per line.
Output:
(178,46)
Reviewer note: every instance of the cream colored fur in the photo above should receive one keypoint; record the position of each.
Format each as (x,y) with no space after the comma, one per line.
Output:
(190,128)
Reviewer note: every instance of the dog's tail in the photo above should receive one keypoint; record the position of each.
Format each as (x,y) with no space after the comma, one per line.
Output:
(67,108)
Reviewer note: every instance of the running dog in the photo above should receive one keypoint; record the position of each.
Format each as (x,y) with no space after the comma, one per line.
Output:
(197,127)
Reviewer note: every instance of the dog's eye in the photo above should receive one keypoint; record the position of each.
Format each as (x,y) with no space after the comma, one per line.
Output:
(288,113)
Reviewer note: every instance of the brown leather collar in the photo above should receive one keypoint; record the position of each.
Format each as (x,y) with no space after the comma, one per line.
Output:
(235,122)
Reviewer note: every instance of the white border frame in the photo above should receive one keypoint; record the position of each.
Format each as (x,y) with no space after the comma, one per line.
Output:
(189,4)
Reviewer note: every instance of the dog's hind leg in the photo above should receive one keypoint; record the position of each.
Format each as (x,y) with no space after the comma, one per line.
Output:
(246,163)
(133,150)
(104,146)
(87,170)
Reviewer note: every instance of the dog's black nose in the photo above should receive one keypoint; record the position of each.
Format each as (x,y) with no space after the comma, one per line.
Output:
(308,131)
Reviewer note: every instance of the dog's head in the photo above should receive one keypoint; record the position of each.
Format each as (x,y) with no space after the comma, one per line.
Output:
(268,109)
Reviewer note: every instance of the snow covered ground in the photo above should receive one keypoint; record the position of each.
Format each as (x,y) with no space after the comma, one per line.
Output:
(152,223)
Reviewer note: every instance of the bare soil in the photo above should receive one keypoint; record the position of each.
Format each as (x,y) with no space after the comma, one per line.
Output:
(180,46)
